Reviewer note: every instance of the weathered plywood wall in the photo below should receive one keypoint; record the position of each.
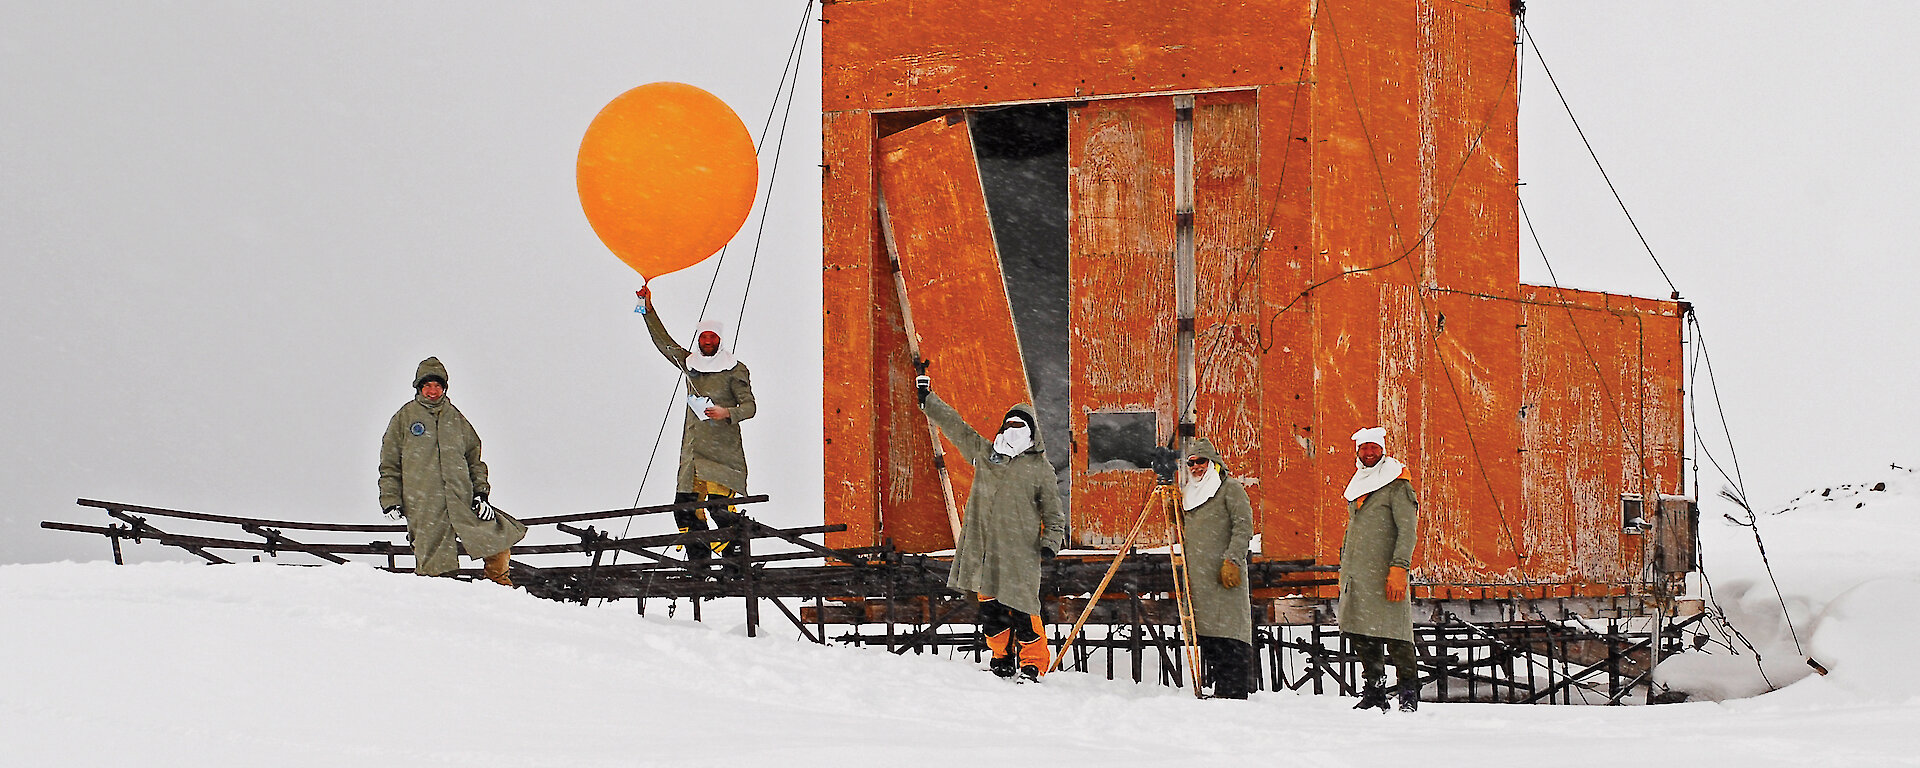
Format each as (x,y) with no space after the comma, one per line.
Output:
(1356,264)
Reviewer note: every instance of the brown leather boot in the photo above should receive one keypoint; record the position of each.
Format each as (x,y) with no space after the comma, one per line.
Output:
(494,567)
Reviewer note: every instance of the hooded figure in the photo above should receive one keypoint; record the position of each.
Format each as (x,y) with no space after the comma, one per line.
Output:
(1374,612)
(1013,519)
(713,460)
(431,472)
(1219,527)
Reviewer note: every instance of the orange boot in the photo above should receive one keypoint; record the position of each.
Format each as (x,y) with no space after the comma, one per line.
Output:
(494,567)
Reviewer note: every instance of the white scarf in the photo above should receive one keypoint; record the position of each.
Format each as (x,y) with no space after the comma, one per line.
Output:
(1013,442)
(719,361)
(1197,492)
(1369,479)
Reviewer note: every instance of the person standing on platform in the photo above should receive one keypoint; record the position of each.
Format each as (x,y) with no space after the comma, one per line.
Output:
(1374,613)
(1219,527)
(713,459)
(1013,521)
(431,475)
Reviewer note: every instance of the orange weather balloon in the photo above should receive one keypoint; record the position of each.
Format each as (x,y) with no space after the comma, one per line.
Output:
(666,175)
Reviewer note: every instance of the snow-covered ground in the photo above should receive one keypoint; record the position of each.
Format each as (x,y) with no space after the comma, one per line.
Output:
(244,665)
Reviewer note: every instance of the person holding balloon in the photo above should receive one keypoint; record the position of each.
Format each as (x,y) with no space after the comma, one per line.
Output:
(713,459)
(667,174)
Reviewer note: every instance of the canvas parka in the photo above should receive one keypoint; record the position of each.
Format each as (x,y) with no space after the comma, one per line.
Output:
(1381,530)
(430,466)
(1217,531)
(710,449)
(1013,510)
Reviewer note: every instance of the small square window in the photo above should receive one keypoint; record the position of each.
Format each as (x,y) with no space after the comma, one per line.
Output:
(1121,440)
(1632,514)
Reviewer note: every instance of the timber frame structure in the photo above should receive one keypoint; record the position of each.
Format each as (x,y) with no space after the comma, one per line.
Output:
(1540,651)
(1268,223)
(1264,222)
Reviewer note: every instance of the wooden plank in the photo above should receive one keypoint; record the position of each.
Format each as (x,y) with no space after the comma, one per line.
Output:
(1121,325)
(1346,359)
(907,484)
(898,54)
(848,315)
(1473,516)
(1366,184)
(1580,455)
(1288,520)
(1469,150)
(930,180)
(1228,222)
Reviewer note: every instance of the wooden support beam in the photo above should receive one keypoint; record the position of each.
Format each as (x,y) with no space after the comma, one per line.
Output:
(140,525)
(275,537)
(112,506)
(807,633)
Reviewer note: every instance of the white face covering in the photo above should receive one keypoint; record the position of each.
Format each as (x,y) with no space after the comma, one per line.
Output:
(1199,491)
(1369,479)
(1013,441)
(720,360)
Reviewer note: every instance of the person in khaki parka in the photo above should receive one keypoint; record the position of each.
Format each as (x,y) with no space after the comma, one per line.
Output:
(1374,612)
(431,475)
(1219,527)
(1013,520)
(713,459)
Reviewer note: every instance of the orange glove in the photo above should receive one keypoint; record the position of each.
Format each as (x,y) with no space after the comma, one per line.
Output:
(1229,574)
(1396,584)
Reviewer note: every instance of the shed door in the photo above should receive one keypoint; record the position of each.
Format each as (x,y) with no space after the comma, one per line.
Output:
(937,228)
(1122,326)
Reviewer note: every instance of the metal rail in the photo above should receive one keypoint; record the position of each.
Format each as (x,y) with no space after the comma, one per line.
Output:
(882,597)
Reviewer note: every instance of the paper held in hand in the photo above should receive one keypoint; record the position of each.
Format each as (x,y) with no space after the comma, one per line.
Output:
(699,405)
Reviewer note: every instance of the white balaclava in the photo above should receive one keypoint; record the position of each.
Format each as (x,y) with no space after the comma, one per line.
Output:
(720,360)
(1014,441)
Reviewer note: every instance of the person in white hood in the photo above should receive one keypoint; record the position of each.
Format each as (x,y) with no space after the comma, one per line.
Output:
(1374,612)
(1013,521)
(713,459)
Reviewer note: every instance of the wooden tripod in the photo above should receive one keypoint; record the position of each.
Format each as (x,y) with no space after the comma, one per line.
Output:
(1164,499)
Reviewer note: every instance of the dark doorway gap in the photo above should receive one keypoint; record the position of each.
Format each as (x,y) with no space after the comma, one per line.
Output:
(1022,153)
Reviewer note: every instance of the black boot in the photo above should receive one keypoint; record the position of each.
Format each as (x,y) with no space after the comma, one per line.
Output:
(689,521)
(1409,696)
(1228,666)
(1002,666)
(1373,696)
(724,519)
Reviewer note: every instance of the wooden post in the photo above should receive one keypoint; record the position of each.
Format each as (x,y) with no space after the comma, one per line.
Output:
(1135,640)
(1613,662)
(820,617)
(744,552)
(1318,687)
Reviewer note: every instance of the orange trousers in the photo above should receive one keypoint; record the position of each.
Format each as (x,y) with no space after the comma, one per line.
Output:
(1014,632)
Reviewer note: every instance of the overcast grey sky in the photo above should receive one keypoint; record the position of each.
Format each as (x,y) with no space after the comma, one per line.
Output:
(231,229)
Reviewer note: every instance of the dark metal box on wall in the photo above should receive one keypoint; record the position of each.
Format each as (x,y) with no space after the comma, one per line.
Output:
(1269,223)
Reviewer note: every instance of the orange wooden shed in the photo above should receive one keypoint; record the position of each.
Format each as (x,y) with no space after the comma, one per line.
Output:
(1268,223)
